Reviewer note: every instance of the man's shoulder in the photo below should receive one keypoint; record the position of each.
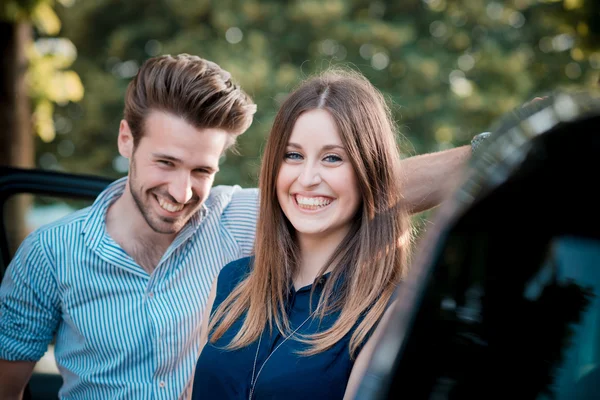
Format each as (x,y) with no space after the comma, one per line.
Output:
(223,190)
(94,214)
(235,210)
(72,222)
(231,193)
(233,199)
(53,235)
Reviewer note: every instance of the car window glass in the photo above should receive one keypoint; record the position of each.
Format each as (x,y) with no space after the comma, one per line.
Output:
(543,333)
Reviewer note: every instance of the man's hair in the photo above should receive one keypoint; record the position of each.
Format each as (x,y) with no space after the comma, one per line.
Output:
(189,87)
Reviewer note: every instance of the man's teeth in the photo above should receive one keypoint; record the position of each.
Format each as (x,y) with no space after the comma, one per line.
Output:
(312,201)
(168,206)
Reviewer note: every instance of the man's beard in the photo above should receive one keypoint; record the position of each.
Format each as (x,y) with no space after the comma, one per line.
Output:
(157,223)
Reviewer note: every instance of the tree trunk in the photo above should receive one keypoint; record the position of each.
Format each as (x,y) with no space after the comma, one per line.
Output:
(16,146)
(16,139)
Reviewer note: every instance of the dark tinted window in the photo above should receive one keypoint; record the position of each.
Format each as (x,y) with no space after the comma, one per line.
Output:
(488,330)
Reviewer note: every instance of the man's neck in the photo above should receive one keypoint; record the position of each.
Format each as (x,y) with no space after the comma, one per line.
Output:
(126,225)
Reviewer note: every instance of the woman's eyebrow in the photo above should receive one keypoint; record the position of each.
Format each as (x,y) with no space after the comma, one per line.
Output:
(334,147)
(326,147)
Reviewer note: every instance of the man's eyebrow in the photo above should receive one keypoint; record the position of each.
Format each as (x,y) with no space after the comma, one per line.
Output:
(177,160)
(166,157)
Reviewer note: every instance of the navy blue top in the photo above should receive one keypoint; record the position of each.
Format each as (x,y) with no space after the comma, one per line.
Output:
(222,374)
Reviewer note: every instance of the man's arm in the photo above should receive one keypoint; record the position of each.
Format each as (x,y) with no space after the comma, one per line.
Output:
(29,315)
(14,375)
(430,178)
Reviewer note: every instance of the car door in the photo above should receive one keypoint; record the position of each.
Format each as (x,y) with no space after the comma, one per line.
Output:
(504,300)
(30,199)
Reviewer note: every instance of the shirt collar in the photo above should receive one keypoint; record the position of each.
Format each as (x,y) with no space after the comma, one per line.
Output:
(94,227)
(318,284)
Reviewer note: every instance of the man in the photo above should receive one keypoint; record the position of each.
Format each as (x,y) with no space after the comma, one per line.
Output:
(122,284)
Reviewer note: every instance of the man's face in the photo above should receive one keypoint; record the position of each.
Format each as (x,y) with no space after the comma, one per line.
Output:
(172,169)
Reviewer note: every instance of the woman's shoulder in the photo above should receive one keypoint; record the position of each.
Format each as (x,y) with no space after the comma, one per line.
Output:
(233,273)
(238,268)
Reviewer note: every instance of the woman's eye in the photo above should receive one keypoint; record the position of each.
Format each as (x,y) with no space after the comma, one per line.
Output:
(292,156)
(332,158)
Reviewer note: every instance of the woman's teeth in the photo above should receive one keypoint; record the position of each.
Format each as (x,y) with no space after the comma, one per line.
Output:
(312,202)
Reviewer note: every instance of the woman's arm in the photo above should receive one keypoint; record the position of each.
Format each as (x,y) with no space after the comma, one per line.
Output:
(362,361)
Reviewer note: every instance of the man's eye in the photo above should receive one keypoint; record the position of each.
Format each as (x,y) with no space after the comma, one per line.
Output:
(293,156)
(165,163)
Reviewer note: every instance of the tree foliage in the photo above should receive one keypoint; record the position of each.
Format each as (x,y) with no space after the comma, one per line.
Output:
(48,79)
(449,67)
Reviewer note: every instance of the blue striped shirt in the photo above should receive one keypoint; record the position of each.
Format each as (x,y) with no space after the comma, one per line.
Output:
(120,332)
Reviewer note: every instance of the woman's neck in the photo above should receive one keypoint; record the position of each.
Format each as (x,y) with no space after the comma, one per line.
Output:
(315,251)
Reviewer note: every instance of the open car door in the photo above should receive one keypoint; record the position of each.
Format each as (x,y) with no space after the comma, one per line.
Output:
(29,199)
(503,299)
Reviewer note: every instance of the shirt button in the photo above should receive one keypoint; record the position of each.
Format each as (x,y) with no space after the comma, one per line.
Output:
(161,384)
(151,295)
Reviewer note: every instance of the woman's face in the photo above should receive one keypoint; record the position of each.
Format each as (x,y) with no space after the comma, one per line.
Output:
(316,185)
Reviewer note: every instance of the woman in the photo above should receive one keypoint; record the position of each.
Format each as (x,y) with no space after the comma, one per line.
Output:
(297,319)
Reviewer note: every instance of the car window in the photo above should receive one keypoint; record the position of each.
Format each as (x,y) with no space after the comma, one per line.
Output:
(576,263)
(535,333)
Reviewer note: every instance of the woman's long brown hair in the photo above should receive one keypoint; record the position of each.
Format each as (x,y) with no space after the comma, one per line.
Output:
(370,261)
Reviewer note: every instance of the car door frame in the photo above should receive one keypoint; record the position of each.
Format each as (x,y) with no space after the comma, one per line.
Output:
(15,181)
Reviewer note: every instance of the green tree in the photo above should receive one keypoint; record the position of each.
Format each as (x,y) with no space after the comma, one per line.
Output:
(34,76)
(32,79)
(449,66)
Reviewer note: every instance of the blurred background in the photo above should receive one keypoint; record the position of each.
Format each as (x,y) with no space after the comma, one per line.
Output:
(448,67)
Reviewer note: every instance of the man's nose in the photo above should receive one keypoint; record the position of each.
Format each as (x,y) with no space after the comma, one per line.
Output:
(181,188)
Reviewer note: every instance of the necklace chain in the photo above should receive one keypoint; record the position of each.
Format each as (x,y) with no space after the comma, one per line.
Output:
(253,380)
